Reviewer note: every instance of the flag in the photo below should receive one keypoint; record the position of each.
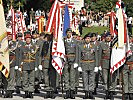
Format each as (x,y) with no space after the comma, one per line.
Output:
(20,22)
(58,49)
(4,53)
(51,26)
(120,51)
(112,22)
(66,20)
(11,23)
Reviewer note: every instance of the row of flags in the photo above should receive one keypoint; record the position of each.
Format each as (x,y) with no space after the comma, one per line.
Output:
(15,23)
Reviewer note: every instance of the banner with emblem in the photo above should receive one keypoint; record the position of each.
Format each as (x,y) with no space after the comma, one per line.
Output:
(4,54)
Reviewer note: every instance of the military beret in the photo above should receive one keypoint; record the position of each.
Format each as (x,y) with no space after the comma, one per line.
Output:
(19,34)
(107,34)
(27,36)
(93,34)
(9,33)
(69,30)
(27,32)
(87,35)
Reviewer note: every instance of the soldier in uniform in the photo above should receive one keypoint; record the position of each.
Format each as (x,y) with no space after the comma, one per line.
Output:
(128,75)
(105,47)
(89,60)
(46,63)
(97,70)
(12,58)
(71,64)
(18,73)
(38,64)
(27,61)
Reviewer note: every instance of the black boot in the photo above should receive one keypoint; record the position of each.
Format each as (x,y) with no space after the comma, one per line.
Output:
(52,95)
(56,91)
(36,89)
(95,91)
(26,95)
(47,95)
(72,94)
(130,96)
(76,90)
(107,95)
(8,94)
(30,95)
(111,95)
(91,95)
(17,90)
(67,94)
(86,95)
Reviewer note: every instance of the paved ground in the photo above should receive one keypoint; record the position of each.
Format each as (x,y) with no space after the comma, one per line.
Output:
(79,96)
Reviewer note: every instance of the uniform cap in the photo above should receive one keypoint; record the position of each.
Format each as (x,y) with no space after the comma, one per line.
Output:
(69,30)
(27,36)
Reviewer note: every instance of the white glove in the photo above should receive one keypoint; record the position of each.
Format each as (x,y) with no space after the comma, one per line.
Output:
(40,67)
(16,67)
(75,65)
(20,69)
(96,69)
(100,68)
(79,69)
(35,69)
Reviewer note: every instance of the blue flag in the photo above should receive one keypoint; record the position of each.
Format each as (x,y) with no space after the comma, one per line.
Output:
(66,20)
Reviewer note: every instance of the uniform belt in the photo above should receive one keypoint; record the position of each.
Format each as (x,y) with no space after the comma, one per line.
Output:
(46,57)
(90,61)
(28,60)
(70,55)
(105,57)
(129,62)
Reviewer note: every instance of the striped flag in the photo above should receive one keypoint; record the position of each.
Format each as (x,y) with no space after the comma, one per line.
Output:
(55,25)
(11,23)
(4,53)
(112,22)
(120,51)
(21,27)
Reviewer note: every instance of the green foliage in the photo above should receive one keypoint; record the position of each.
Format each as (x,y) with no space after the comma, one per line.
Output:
(99,30)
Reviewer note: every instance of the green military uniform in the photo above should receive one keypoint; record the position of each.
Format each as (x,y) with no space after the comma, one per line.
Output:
(46,62)
(110,82)
(128,77)
(71,50)
(89,60)
(11,79)
(38,73)
(18,73)
(97,44)
(27,60)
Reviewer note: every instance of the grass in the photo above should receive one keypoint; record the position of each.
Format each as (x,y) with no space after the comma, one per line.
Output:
(98,30)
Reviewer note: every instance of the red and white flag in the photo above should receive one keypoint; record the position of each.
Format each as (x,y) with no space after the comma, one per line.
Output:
(21,27)
(11,23)
(55,25)
(120,44)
